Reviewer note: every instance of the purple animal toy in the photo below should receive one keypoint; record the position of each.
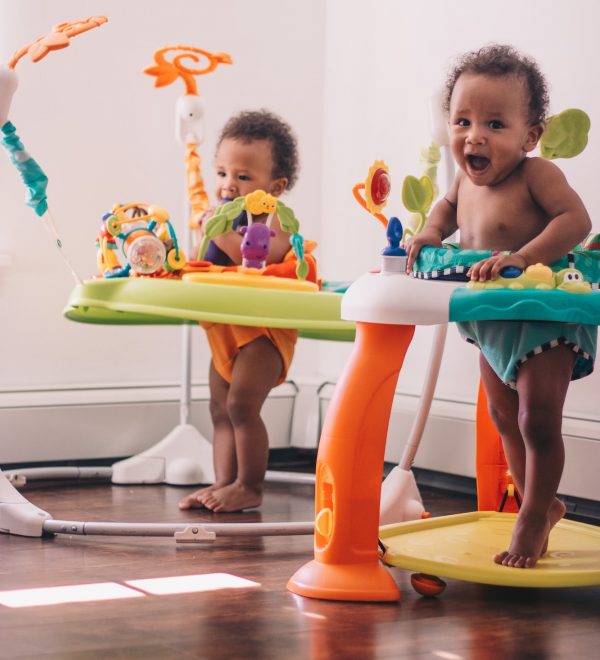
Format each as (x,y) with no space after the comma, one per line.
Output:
(255,246)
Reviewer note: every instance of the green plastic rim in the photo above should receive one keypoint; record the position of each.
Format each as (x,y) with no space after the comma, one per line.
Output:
(151,301)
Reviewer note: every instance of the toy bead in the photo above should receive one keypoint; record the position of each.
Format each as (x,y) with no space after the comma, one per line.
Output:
(427,585)
(113,226)
(159,214)
(511,271)
(176,259)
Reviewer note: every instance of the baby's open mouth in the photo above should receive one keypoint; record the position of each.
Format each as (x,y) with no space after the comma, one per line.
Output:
(478,163)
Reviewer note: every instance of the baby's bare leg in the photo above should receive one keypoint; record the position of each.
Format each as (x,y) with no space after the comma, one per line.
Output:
(224,459)
(256,371)
(503,405)
(504,412)
(542,385)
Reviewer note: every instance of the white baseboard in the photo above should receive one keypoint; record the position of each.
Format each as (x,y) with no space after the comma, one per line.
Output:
(82,423)
(86,423)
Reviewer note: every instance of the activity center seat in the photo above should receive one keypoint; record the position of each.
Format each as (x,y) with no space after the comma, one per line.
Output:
(386,307)
(145,301)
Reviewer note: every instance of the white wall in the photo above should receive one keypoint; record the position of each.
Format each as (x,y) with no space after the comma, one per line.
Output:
(383,59)
(104,134)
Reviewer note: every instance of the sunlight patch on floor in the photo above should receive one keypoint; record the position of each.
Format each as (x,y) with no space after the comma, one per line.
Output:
(185,584)
(85,593)
(76,593)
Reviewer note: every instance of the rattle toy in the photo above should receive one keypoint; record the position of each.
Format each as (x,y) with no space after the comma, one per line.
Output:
(149,244)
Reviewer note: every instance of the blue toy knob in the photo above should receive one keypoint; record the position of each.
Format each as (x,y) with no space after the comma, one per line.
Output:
(394,235)
(510,272)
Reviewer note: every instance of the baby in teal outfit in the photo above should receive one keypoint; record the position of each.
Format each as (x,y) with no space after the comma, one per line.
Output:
(523,209)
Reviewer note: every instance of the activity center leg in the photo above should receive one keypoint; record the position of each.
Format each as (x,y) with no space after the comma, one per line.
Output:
(182,458)
(349,473)
(18,515)
(494,482)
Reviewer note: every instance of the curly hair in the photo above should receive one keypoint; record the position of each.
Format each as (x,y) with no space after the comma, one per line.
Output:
(502,60)
(251,125)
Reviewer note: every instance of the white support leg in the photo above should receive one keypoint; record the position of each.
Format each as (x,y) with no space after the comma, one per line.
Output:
(400,498)
(182,458)
(18,515)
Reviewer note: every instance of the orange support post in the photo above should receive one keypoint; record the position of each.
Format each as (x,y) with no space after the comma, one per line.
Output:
(493,478)
(349,473)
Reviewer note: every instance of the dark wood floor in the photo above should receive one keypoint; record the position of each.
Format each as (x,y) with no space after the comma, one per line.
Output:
(468,621)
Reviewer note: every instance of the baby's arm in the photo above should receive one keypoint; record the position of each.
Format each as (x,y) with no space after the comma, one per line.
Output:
(440,224)
(197,222)
(231,244)
(569,221)
(280,243)
(568,224)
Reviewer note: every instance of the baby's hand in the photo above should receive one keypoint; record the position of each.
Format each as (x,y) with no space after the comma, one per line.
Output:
(489,269)
(197,220)
(416,243)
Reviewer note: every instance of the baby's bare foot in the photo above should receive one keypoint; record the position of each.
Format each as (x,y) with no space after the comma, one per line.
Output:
(233,497)
(557,511)
(530,537)
(196,499)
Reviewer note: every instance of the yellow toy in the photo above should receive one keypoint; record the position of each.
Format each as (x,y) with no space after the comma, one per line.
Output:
(257,203)
(536,276)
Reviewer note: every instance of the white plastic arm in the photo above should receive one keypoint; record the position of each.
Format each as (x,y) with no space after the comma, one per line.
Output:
(189,119)
(8,85)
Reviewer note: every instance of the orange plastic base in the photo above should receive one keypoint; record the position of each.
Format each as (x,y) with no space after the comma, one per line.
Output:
(360,582)
(349,472)
(493,477)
